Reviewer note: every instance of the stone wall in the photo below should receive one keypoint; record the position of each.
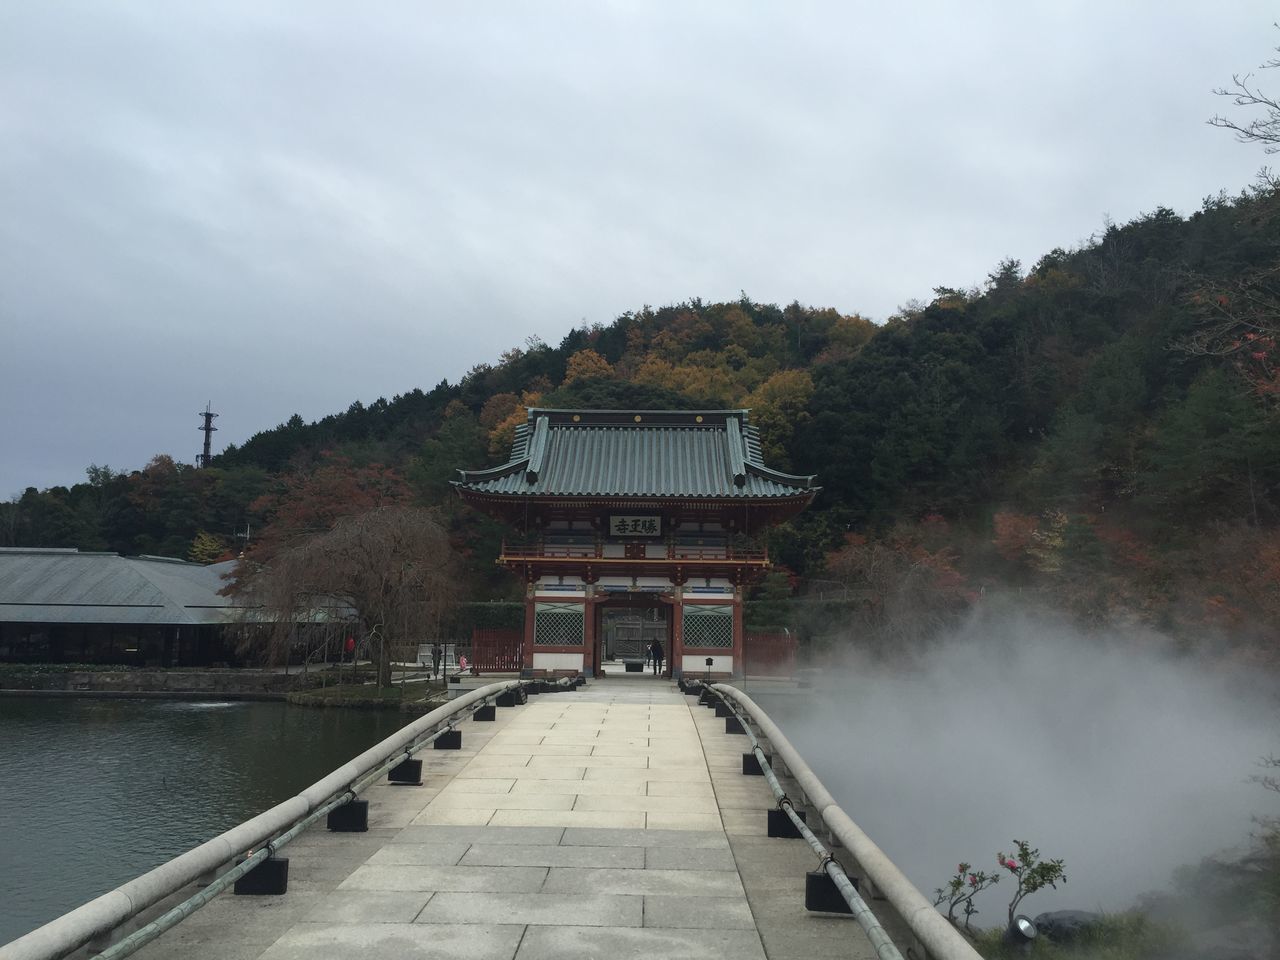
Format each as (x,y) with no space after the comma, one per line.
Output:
(36,677)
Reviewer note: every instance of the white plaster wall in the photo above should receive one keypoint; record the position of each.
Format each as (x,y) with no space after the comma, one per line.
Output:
(696,664)
(557,661)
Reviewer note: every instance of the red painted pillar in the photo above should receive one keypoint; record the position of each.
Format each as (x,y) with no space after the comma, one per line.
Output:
(675,655)
(739,634)
(589,661)
(530,609)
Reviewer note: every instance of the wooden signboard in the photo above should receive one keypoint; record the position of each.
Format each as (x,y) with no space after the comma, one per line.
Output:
(620,526)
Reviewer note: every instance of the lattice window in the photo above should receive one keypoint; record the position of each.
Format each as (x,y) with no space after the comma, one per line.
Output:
(708,625)
(558,624)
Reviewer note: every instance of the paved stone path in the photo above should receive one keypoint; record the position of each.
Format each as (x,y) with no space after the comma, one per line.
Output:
(610,822)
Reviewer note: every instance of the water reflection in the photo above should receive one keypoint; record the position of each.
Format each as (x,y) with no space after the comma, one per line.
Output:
(95,792)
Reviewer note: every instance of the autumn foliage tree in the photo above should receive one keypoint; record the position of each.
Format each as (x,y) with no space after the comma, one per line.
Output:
(778,406)
(587,365)
(504,431)
(1014,535)
(309,502)
(910,575)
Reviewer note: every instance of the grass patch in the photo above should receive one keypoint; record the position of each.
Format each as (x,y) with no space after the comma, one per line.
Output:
(1117,936)
(366,696)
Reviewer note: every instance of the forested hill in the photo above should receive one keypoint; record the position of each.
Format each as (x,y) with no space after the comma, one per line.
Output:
(1103,427)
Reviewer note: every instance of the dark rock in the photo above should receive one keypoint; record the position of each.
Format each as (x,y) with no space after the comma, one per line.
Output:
(1063,926)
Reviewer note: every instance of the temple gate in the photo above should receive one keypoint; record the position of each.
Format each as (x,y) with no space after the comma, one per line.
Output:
(635,526)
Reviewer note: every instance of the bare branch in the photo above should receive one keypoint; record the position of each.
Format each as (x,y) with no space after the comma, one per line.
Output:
(1244,92)
(390,568)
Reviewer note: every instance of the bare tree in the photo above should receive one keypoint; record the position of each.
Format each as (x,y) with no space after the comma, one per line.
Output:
(1245,92)
(1240,318)
(390,572)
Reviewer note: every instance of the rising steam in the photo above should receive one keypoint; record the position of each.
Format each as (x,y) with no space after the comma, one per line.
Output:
(1108,750)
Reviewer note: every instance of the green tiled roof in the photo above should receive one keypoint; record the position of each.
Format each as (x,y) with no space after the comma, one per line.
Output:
(637,453)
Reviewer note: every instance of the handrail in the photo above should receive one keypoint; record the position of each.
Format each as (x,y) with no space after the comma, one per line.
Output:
(102,915)
(880,940)
(939,939)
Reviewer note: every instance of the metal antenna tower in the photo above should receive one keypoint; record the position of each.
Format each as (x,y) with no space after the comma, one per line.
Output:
(207,427)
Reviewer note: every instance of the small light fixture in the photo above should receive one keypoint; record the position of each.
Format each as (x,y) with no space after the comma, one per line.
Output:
(1022,930)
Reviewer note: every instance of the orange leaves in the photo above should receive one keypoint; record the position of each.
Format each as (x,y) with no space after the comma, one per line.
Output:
(503,432)
(694,380)
(586,365)
(497,408)
(1035,542)
(1014,535)
(307,503)
(920,556)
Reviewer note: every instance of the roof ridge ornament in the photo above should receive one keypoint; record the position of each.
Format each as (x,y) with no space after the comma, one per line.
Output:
(537,449)
(737,462)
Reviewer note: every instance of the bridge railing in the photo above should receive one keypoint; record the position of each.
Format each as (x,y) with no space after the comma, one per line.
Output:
(261,836)
(880,877)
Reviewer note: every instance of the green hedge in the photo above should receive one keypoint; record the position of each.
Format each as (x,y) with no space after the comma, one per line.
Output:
(507,614)
(806,618)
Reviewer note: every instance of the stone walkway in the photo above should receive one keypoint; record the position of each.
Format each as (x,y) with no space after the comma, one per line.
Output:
(610,822)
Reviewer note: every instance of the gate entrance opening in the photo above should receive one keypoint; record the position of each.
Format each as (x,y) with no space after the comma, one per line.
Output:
(626,634)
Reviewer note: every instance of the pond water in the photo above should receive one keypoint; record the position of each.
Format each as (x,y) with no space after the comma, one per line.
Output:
(96,792)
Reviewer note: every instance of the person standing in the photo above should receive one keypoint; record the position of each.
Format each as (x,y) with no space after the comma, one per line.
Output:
(655,652)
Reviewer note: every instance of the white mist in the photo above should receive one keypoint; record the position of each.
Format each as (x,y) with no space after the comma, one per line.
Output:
(1106,750)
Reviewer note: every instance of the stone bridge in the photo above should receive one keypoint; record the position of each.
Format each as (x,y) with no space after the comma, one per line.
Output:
(613,820)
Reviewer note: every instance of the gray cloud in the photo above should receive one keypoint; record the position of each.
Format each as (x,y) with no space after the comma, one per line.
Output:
(287,207)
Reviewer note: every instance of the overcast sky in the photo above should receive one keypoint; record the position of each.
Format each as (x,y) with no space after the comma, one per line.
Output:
(285,207)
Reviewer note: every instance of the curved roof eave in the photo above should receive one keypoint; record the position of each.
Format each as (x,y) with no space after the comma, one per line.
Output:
(804,494)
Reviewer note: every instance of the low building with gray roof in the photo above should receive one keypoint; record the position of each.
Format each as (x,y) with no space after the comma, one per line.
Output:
(64,605)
